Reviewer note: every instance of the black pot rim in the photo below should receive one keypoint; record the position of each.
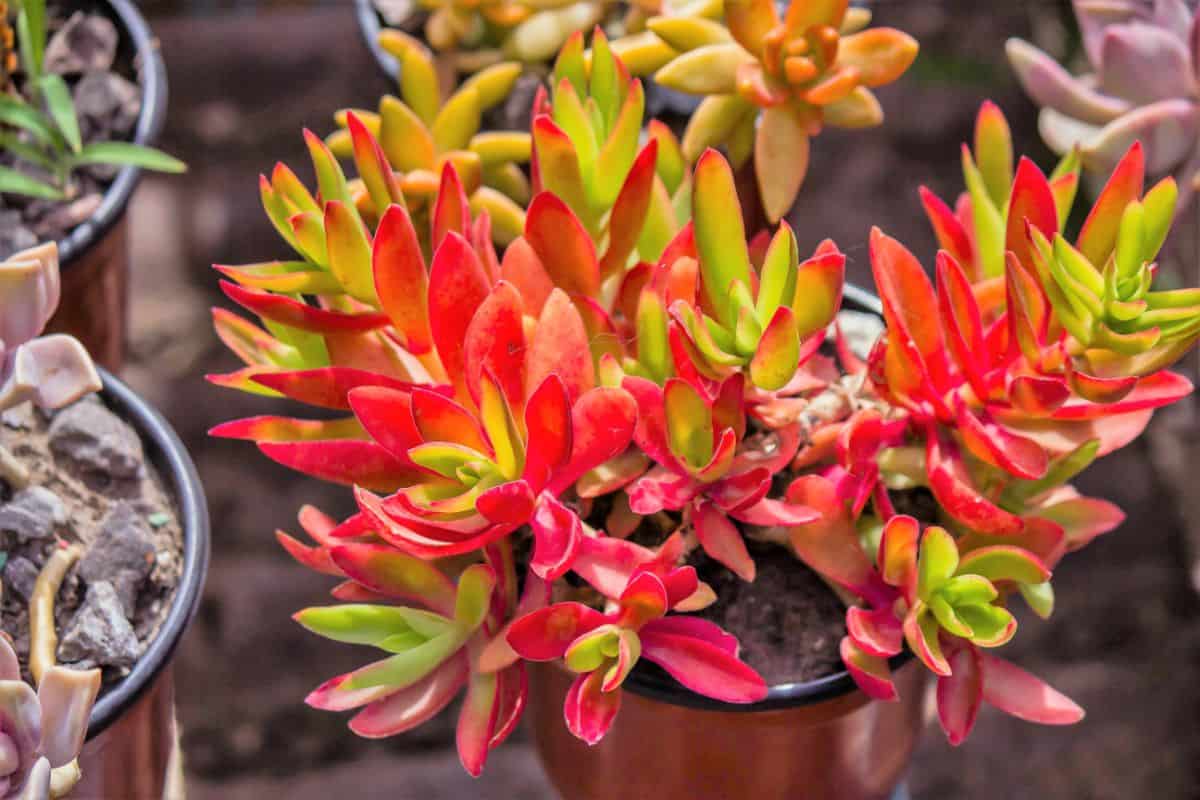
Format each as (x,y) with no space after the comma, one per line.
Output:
(654,683)
(149,125)
(370,24)
(167,453)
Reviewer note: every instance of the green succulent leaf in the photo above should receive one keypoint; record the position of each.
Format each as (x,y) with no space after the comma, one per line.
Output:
(62,109)
(17,183)
(128,154)
(937,561)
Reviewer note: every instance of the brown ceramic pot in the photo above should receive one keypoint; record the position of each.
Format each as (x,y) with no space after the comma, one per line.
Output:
(822,740)
(95,254)
(132,744)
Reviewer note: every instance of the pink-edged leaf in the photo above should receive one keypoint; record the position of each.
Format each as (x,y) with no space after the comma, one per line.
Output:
(660,489)
(1083,518)
(296,314)
(1003,562)
(951,235)
(510,503)
(921,633)
(589,711)
(960,694)
(397,575)
(876,632)
(477,722)
(991,442)
(1017,692)
(1098,236)
(650,433)
(1037,395)
(909,302)
(1153,391)
(326,387)
(562,245)
(697,628)
(557,533)
(387,416)
(548,426)
(768,512)
(607,563)
(345,461)
(602,425)
(629,211)
(870,672)
(495,341)
(457,285)
(642,601)
(440,419)
(514,690)
(560,347)
(411,707)
(269,428)
(1033,202)
(315,558)
(426,541)
(545,634)
(961,320)
(700,665)
(898,555)
(331,696)
(523,269)
(951,484)
(451,211)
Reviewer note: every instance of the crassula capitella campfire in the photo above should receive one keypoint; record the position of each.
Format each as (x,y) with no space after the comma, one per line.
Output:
(518,426)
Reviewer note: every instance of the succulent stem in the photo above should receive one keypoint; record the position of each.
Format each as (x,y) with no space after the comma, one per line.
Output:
(43,637)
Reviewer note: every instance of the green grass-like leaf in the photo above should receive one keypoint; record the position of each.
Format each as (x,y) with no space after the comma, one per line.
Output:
(62,109)
(14,182)
(21,115)
(31,31)
(128,154)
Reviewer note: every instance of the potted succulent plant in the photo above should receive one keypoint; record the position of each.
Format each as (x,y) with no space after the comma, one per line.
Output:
(83,95)
(637,449)
(104,541)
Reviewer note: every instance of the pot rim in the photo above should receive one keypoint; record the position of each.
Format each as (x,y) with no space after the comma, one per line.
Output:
(166,451)
(370,25)
(151,119)
(654,683)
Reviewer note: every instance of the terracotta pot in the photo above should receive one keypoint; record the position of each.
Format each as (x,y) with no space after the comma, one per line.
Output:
(95,254)
(132,744)
(822,740)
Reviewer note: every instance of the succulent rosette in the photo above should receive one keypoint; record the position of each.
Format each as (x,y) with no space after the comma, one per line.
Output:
(1142,86)
(40,731)
(545,441)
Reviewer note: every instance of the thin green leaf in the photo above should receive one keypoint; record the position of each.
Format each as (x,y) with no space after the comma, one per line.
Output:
(21,115)
(14,182)
(31,31)
(62,109)
(128,154)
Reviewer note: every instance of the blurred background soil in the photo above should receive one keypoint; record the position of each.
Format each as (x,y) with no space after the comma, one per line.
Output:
(246,76)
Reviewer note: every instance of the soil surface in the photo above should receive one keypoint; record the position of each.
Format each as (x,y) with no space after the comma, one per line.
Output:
(788,621)
(88,487)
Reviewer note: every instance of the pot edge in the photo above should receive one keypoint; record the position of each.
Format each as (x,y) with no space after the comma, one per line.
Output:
(370,25)
(150,122)
(164,448)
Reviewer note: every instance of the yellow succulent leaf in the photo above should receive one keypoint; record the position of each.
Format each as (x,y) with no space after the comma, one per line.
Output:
(466,164)
(508,218)
(881,55)
(500,147)
(494,83)
(859,109)
(509,179)
(741,141)
(458,120)
(751,20)
(419,83)
(688,33)
(855,20)
(711,69)
(370,119)
(642,53)
(420,184)
(339,144)
(404,138)
(710,9)
(539,37)
(780,159)
(713,123)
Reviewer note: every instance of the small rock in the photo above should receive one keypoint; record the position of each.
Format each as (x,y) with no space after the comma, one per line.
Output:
(33,513)
(14,235)
(85,43)
(107,105)
(65,216)
(395,12)
(99,631)
(20,574)
(860,329)
(122,555)
(96,439)
(19,417)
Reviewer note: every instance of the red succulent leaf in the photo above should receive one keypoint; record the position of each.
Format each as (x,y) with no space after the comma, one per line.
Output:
(548,423)
(1100,390)
(921,633)
(513,692)
(699,664)
(951,235)
(629,211)
(560,347)
(509,503)
(522,268)
(876,632)
(326,387)
(991,442)
(1028,310)
(387,416)
(495,341)
(396,575)
(451,212)
(331,696)
(661,488)
(345,461)
(644,599)
(477,722)
(909,302)
(589,710)
(545,634)
(602,426)
(425,541)
(1037,395)
(315,558)
(296,314)
(960,694)
(557,533)
(955,492)
(961,321)
(440,419)
(898,555)
(408,708)
(1098,236)
(768,512)
(1017,692)
(722,540)
(1160,389)
(870,672)
(457,286)
(1082,518)
(401,279)
(270,428)
(562,245)
(1031,202)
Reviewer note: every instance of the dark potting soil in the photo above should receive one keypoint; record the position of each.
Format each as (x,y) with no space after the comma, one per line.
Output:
(788,621)
(89,486)
(84,48)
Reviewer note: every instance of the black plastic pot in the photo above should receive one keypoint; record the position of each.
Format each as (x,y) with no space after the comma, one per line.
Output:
(371,25)
(131,735)
(94,255)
